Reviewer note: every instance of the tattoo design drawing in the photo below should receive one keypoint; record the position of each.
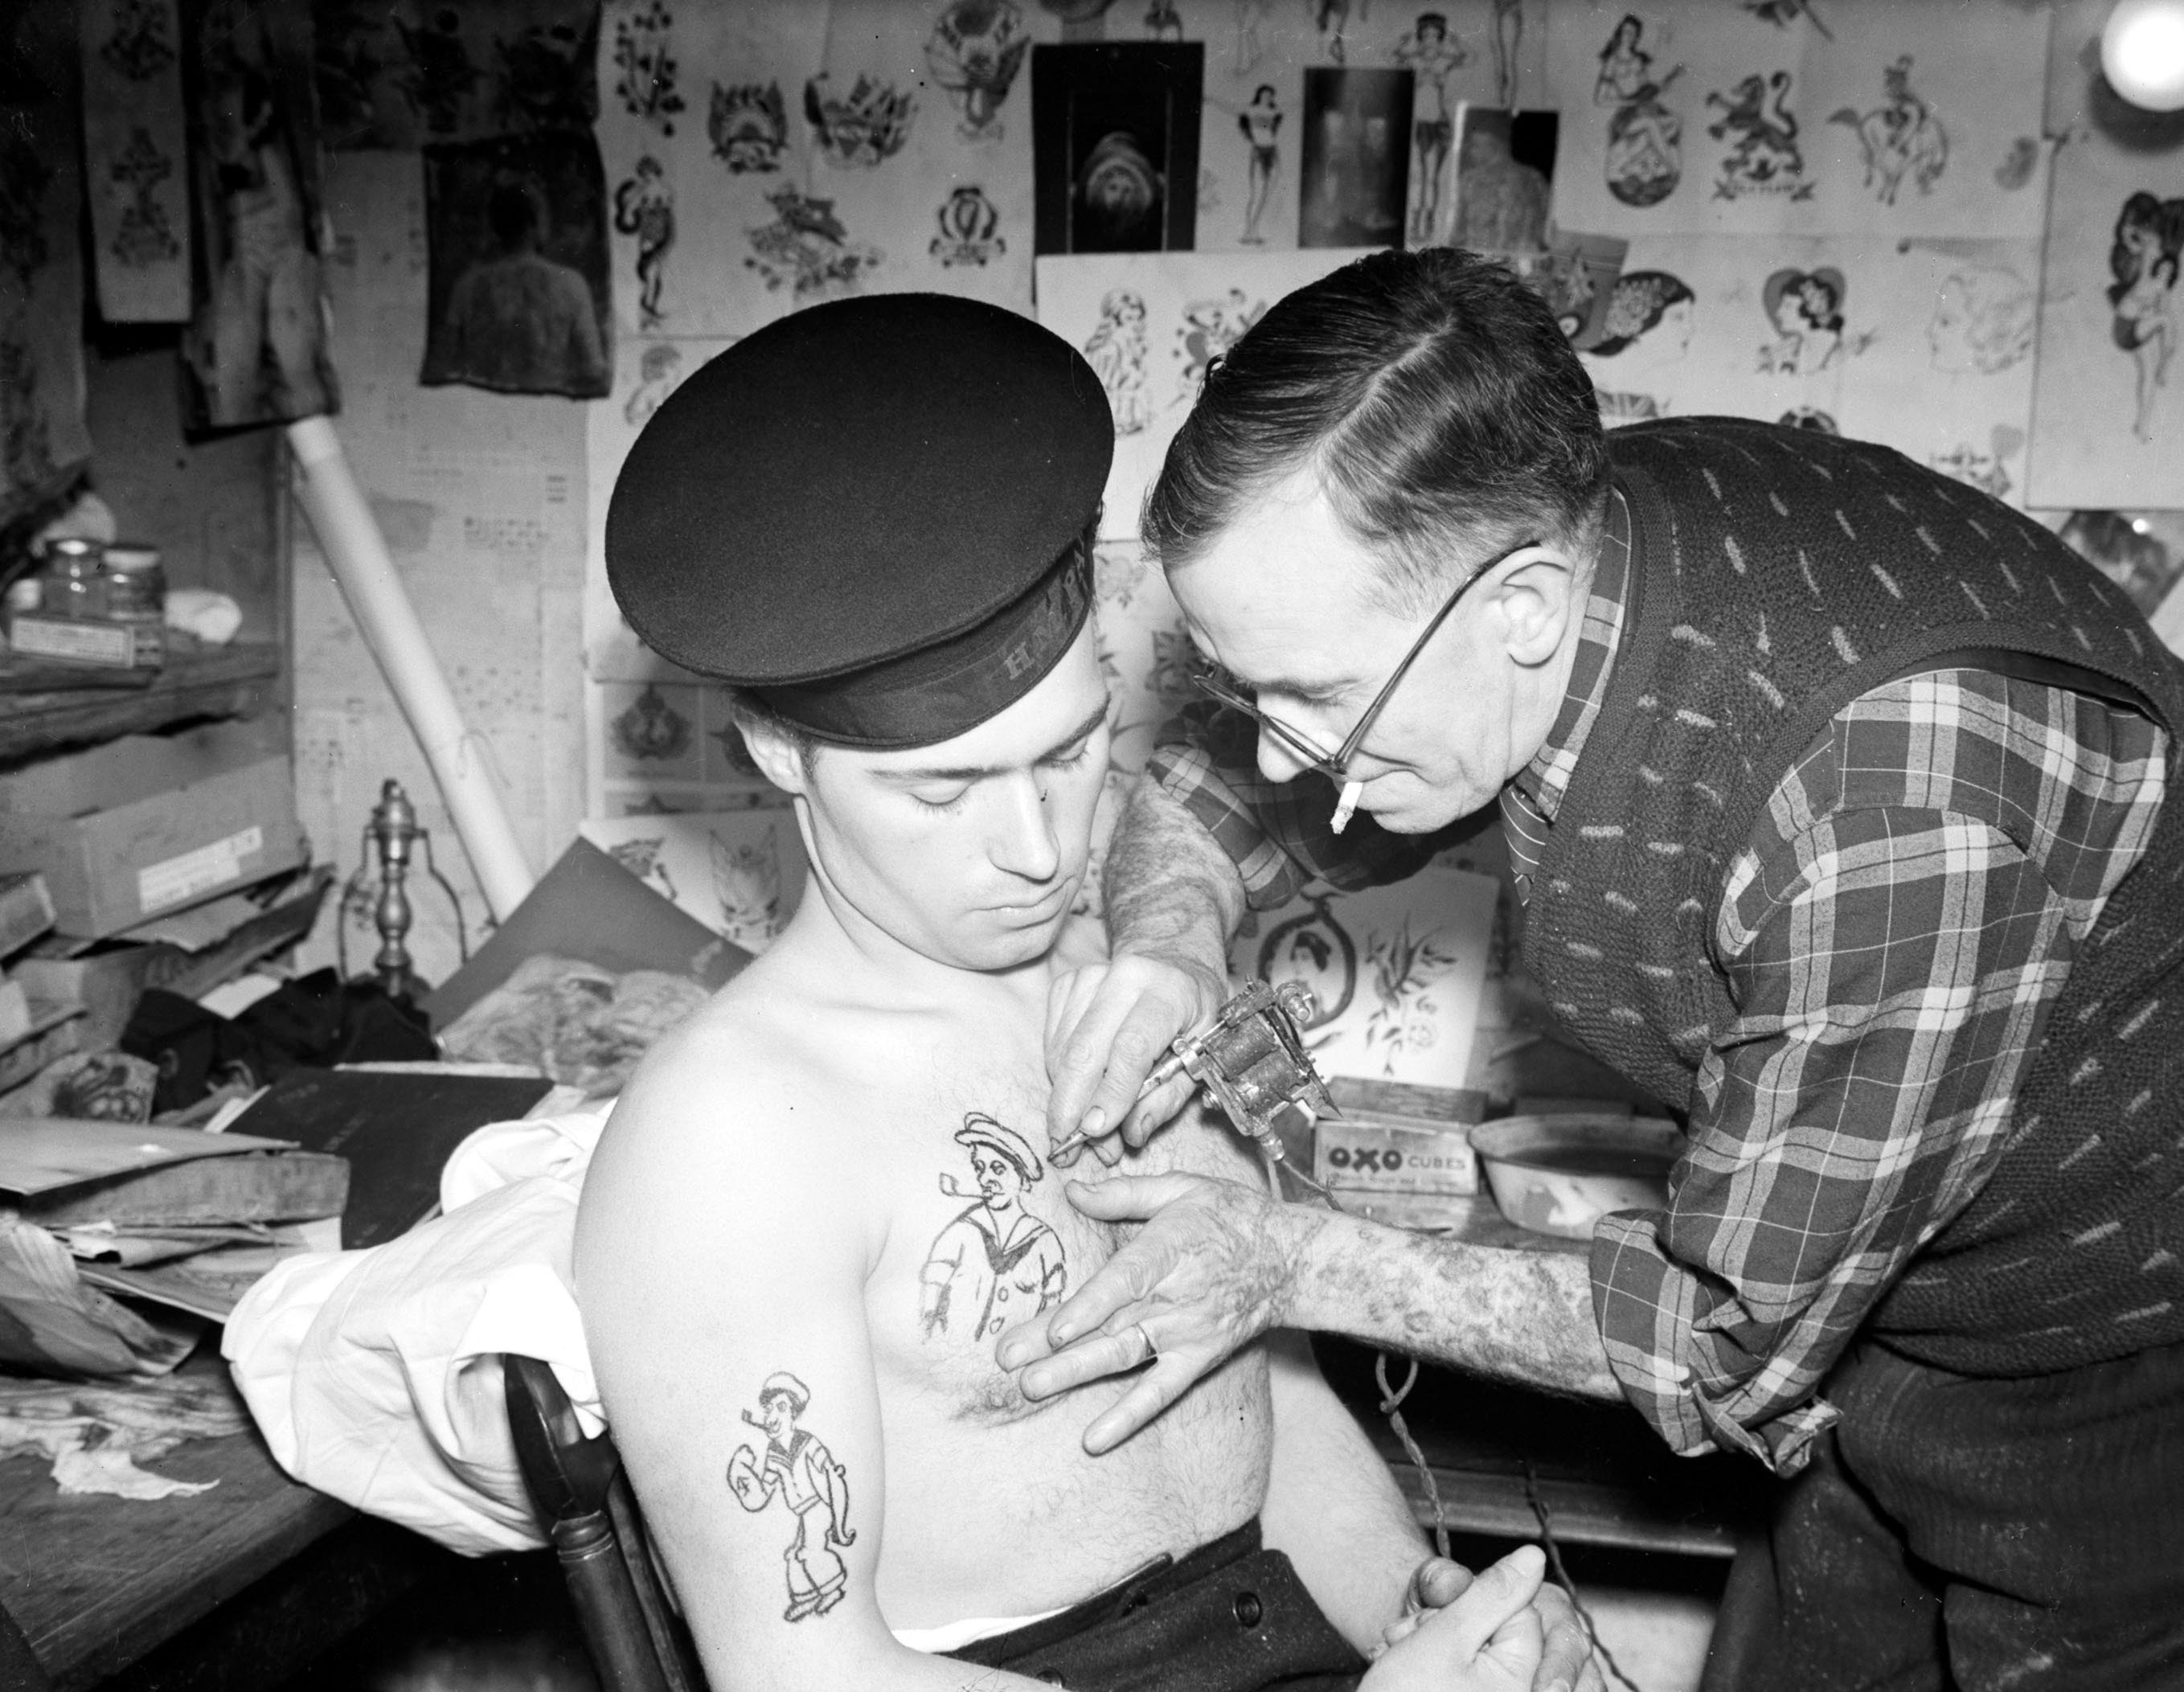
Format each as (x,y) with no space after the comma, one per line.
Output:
(1404,970)
(1983,322)
(1645,155)
(651,728)
(1649,329)
(1163,22)
(658,373)
(968,220)
(1331,18)
(2149,243)
(1316,949)
(139,46)
(1250,48)
(644,57)
(1900,136)
(642,859)
(1986,468)
(996,1254)
(1262,124)
(975,51)
(1809,417)
(1116,350)
(1784,12)
(1761,132)
(644,207)
(1806,308)
(749,126)
(1209,329)
(2017,164)
(747,881)
(802,1474)
(864,127)
(1430,53)
(143,235)
(808,248)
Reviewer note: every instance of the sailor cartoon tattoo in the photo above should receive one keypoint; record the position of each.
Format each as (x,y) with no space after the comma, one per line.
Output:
(996,1263)
(804,1473)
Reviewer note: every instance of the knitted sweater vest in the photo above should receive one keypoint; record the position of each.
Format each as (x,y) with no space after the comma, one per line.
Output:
(1776,575)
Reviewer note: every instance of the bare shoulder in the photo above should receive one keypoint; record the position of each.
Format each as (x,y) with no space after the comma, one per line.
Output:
(726,1116)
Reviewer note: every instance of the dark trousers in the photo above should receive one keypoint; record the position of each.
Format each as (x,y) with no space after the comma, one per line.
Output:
(1954,1532)
(1229,1617)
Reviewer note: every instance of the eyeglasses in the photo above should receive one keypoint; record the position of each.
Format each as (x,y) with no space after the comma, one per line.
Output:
(1217,685)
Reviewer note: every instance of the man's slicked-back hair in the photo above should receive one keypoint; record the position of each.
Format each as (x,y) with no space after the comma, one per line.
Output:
(1435,400)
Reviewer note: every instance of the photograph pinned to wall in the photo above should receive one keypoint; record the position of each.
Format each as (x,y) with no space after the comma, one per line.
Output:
(1354,158)
(399,76)
(1432,55)
(516,230)
(2109,407)
(1115,146)
(2142,551)
(1504,168)
(1399,972)
(1685,116)
(1924,345)
(42,438)
(256,347)
(739,872)
(1148,324)
(136,159)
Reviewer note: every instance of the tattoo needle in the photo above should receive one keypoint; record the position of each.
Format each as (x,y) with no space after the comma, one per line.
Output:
(1346,806)
(1166,1070)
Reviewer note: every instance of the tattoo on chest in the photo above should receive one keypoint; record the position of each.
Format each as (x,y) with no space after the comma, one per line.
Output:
(798,1470)
(996,1264)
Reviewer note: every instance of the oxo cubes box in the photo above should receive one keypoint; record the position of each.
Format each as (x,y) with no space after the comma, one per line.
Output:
(149,824)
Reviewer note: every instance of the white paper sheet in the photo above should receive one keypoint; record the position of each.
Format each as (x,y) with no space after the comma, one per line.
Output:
(1932,355)
(1849,116)
(1148,322)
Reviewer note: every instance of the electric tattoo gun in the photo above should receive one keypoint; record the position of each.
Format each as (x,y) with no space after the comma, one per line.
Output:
(1250,1059)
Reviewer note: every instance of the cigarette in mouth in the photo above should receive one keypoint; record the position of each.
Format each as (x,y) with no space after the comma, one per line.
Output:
(1346,807)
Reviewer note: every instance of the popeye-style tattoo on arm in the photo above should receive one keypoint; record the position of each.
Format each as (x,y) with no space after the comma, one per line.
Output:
(996,1264)
(801,1472)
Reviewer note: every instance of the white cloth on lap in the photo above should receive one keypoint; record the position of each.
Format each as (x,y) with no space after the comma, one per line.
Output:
(375,1375)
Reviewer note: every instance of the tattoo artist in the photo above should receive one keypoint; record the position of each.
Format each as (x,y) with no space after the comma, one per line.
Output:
(1834,790)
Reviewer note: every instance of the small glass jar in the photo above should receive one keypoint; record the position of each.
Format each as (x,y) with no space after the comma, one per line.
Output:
(73,586)
(136,583)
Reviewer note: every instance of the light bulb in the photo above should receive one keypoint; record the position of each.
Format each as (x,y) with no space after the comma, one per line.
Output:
(2142,52)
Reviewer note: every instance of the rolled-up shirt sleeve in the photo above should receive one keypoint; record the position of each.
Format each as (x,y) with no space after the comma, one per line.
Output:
(1891,970)
(1275,833)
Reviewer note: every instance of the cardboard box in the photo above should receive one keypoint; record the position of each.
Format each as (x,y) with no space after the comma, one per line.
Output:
(1393,1139)
(150,823)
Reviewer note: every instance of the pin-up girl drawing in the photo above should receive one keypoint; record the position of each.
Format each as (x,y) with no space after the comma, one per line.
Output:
(1644,158)
(2149,243)
(1806,308)
(1647,331)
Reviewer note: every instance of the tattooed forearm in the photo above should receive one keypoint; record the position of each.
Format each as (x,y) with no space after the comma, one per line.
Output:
(1521,1316)
(801,1473)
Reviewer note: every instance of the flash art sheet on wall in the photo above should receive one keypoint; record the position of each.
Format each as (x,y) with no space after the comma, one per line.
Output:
(1799,117)
(1148,322)
(2109,403)
(1399,972)
(136,159)
(1924,344)
(740,873)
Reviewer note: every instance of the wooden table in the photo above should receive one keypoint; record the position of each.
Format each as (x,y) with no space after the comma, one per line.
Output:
(259,1572)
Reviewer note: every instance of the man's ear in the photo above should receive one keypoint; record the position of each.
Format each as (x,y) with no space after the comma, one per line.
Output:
(1537,596)
(776,751)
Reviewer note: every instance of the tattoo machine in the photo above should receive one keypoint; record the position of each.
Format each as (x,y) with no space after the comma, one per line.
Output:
(1251,1058)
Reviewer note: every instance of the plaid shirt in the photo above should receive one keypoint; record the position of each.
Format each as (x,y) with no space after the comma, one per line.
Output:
(1892,934)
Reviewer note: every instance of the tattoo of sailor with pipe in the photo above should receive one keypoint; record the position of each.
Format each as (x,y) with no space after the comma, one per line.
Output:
(996,1264)
(804,1473)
